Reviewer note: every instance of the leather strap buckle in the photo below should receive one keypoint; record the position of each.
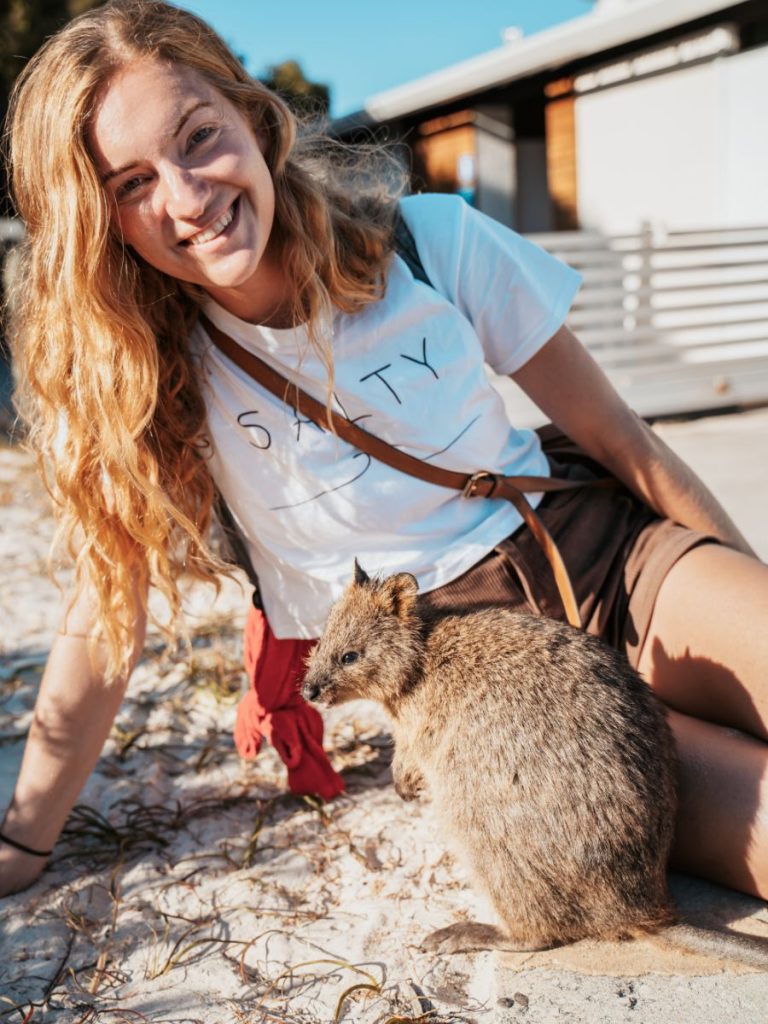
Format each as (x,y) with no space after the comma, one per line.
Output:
(469,490)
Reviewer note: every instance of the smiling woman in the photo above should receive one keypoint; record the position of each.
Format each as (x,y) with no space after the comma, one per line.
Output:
(192,192)
(151,173)
(149,135)
(170,203)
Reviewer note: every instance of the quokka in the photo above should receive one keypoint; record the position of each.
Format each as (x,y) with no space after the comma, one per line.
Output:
(548,759)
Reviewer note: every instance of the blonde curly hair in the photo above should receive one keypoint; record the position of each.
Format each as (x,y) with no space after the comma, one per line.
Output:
(100,338)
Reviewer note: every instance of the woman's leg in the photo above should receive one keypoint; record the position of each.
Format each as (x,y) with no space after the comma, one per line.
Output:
(706,655)
(722,821)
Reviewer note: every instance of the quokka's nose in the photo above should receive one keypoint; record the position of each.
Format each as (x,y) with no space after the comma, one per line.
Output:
(311,691)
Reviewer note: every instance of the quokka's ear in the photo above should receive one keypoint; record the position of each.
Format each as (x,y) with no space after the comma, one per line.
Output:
(398,593)
(361,576)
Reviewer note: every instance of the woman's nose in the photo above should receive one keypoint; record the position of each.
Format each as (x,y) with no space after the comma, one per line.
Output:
(184,193)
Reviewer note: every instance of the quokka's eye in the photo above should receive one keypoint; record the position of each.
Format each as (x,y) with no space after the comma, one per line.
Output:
(349,657)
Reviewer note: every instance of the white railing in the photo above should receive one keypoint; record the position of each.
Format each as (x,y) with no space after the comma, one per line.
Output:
(678,320)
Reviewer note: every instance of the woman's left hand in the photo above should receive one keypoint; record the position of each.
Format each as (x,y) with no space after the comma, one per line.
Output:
(18,870)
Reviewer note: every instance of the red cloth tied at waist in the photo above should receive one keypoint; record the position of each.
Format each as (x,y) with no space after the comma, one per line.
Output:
(274,709)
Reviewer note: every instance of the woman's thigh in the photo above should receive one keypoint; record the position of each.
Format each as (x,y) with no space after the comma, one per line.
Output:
(706,650)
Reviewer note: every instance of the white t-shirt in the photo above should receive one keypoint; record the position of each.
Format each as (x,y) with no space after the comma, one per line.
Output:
(410,369)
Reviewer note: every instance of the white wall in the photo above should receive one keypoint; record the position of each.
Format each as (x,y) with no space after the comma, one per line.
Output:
(647,150)
(495,177)
(745,150)
(685,149)
(495,154)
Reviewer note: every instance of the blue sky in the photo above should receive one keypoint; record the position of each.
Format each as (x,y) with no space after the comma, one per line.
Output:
(360,48)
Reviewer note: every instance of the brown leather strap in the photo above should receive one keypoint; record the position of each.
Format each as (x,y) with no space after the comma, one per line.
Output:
(482,484)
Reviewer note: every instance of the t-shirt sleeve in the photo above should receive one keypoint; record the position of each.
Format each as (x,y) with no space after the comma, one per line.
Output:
(515,294)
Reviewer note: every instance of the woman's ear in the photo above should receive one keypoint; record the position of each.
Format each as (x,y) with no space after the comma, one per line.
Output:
(262,140)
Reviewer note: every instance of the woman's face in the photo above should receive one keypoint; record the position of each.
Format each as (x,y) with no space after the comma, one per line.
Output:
(191,192)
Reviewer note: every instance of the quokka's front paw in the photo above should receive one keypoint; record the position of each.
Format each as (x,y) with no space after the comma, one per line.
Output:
(408,787)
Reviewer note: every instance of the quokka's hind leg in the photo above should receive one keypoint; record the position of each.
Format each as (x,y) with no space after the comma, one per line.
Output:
(470,936)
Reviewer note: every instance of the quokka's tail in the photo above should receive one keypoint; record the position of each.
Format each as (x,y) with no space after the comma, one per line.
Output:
(749,950)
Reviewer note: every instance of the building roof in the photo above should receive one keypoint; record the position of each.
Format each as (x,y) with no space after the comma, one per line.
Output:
(605,27)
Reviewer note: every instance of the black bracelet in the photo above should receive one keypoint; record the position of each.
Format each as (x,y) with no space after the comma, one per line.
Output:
(24,849)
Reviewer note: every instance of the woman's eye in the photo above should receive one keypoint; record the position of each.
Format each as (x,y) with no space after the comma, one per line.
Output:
(126,188)
(200,135)
(349,657)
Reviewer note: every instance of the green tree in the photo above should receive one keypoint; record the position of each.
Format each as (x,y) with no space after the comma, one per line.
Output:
(305,98)
(24,26)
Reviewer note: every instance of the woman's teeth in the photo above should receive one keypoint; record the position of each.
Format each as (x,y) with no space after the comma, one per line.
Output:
(215,229)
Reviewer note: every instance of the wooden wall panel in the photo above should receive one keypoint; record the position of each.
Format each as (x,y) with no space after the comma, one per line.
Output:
(441,143)
(561,160)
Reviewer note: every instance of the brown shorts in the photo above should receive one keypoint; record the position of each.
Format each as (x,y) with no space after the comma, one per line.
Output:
(616,549)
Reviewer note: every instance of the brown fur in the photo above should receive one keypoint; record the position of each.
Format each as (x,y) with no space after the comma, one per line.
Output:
(548,759)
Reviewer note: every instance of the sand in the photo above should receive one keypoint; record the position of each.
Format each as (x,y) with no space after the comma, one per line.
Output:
(190,886)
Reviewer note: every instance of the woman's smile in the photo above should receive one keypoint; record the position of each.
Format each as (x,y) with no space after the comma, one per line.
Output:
(216,230)
(191,192)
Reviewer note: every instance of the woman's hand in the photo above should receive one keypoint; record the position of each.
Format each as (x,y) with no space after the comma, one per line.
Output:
(570,388)
(18,870)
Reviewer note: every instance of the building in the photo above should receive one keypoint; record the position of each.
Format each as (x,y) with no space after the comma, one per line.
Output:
(630,141)
(637,109)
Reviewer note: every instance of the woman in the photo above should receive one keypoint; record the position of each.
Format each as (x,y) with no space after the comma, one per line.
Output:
(157,180)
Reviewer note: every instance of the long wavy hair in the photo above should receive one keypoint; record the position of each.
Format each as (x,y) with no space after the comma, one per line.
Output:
(100,338)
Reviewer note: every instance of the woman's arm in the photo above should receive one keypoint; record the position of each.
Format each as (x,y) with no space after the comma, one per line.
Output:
(72,718)
(570,388)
